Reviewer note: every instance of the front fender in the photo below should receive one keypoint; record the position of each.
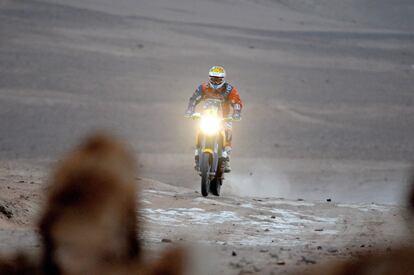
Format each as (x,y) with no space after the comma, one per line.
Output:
(208,150)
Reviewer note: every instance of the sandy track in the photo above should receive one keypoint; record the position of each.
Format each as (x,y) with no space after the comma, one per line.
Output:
(228,234)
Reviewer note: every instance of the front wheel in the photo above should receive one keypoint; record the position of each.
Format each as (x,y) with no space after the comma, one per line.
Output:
(215,184)
(205,173)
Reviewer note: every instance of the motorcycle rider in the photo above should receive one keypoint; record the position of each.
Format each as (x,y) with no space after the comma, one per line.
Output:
(218,88)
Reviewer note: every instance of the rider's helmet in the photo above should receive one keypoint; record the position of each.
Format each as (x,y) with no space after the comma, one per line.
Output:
(216,77)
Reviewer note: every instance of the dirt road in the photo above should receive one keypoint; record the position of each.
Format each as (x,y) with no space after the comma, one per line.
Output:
(229,234)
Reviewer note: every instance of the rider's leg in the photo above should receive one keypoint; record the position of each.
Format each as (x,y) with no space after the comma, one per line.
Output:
(227,146)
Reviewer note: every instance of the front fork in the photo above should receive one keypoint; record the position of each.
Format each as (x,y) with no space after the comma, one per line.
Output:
(210,145)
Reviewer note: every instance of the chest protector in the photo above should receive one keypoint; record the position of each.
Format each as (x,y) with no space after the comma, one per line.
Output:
(222,93)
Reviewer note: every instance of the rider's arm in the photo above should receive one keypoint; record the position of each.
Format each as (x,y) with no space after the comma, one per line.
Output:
(236,102)
(195,99)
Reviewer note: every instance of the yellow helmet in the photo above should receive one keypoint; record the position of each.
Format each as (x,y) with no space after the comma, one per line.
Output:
(216,77)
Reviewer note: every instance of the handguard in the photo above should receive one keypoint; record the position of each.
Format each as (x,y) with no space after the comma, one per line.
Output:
(236,116)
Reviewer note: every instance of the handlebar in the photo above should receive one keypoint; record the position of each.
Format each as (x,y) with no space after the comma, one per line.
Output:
(228,119)
(197,116)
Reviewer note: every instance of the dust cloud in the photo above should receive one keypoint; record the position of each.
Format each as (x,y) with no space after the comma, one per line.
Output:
(265,181)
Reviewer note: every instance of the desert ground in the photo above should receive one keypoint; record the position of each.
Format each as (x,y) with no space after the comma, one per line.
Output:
(320,159)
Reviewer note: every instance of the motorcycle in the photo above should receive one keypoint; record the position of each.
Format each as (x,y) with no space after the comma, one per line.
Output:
(210,146)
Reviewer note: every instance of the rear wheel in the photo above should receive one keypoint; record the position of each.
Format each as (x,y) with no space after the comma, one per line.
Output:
(215,186)
(205,171)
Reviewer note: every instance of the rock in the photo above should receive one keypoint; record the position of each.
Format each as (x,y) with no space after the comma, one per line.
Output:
(300,199)
(166,240)
(280,263)
(319,229)
(267,230)
(319,247)
(273,217)
(328,200)
(264,250)
(251,47)
(307,261)
(233,253)
(332,250)
(6,212)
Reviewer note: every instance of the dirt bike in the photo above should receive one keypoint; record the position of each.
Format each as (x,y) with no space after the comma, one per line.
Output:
(210,142)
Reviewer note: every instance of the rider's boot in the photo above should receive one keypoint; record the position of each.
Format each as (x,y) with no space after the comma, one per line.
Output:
(226,156)
(227,168)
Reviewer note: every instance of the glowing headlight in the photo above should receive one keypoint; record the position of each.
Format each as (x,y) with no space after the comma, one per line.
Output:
(210,124)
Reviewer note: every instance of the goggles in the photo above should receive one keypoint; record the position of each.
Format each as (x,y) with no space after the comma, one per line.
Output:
(216,80)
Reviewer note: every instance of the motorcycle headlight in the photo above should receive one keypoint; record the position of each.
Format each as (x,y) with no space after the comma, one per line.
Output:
(210,124)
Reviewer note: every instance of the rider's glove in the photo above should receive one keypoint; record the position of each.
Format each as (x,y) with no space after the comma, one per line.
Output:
(236,116)
(189,113)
